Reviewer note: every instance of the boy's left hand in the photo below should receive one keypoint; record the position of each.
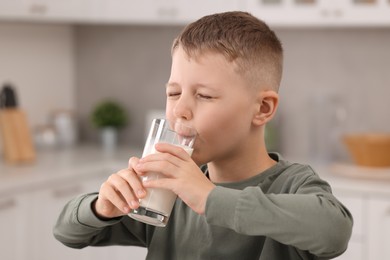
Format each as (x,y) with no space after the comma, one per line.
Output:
(182,175)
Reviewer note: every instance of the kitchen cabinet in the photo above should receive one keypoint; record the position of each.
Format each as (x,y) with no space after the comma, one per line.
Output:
(31,199)
(26,222)
(365,12)
(356,203)
(13,225)
(321,12)
(27,219)
(11,8)
(122,11)
(157,12)
(48,203)
(371,231)
(378,228)
(274,12)
(113,11)
(42,10)
(369,202)
(57,9)
(190,11)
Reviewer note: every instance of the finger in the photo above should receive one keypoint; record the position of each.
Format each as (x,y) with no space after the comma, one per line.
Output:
(121,186)
(158,157)
(134,181)
(114,198)
(133,162)
(178,151)
(164,167)
(164,183)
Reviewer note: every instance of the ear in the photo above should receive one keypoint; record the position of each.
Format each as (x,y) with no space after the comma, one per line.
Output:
(266,104)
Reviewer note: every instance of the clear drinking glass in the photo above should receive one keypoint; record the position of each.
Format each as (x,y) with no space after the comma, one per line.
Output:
(156,207)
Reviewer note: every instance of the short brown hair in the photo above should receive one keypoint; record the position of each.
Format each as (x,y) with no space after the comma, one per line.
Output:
(242,39)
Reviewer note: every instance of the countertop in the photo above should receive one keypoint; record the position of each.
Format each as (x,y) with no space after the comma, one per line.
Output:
(61,165)
(348,176)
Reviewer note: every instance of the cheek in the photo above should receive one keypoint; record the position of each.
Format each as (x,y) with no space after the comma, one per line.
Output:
(224,128)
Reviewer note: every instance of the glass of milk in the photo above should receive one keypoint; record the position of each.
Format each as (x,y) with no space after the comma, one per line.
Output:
(156,207)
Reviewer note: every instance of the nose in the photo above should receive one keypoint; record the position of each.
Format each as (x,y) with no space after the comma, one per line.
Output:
(182,109)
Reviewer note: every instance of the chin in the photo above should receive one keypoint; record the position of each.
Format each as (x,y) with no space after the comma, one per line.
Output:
(197,158)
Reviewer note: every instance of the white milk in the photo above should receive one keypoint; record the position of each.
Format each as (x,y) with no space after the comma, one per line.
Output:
(160,200)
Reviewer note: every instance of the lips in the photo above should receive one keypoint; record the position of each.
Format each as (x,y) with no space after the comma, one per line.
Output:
(186,134)
(184,131)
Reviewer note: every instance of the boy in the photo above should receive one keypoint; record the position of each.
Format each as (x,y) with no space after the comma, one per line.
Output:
(236,200)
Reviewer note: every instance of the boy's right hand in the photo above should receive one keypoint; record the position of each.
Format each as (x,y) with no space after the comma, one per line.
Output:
(120,193)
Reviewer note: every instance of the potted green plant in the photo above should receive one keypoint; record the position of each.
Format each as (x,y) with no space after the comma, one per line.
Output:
(109,116)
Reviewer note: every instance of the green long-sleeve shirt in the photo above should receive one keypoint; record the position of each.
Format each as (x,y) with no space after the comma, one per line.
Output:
(285,212)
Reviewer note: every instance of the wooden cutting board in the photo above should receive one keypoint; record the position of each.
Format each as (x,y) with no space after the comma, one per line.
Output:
(16,137)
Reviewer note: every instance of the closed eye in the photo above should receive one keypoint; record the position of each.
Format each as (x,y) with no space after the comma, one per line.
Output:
(204,96)
(173,94)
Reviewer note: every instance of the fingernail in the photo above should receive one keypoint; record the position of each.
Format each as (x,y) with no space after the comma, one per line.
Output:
(126,209)
(134,204)
(141,193)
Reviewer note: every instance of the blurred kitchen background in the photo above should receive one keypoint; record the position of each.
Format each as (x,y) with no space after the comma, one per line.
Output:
(70,56)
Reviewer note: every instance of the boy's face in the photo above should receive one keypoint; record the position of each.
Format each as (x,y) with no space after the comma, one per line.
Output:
(209,95)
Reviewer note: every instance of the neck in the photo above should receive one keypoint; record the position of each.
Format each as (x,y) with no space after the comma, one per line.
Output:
(248,161)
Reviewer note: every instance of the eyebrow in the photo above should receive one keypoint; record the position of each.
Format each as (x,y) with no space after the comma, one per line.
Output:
(175,84)
(171,84)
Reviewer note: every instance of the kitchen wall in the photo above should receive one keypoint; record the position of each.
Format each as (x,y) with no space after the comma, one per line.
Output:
(323,69)
(335,80)
(130,64)
(38,59)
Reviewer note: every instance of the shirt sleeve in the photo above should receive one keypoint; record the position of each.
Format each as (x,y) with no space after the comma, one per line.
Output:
(310,218)
(78,226)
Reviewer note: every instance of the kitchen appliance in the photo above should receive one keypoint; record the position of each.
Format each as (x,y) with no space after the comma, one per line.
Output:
(65,126)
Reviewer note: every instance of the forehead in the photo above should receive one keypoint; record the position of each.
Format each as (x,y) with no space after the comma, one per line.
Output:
(202,58)
(208,69)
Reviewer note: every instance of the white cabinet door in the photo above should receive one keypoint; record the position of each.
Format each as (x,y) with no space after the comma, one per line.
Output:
(68,10)
(190,11)
(27,220)
(379,228)
(13,226)
(321,12)
(156,11)
(354,252)
(366,12)
(11,8)
(124,11)
(116,253)
(51,10)
(56,10)
(290,12)
(48,204)
(356,204)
